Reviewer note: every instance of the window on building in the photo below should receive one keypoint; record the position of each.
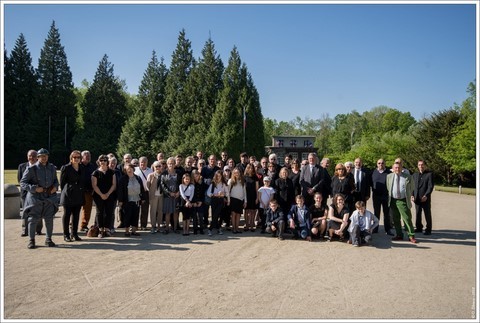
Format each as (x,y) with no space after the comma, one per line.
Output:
(281,157)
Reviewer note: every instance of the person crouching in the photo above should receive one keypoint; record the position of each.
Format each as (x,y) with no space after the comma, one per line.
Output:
(275,220)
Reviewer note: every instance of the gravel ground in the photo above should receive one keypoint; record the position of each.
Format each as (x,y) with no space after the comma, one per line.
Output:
(247,276)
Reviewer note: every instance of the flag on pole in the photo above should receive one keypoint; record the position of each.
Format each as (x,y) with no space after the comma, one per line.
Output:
(244,119)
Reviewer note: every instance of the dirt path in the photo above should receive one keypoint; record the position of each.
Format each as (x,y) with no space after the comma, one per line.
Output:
(247,276)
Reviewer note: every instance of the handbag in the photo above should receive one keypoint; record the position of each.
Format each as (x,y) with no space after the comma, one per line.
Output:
(208,199)
(93,231)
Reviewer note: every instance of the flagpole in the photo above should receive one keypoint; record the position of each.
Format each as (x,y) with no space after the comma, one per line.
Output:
(244,126)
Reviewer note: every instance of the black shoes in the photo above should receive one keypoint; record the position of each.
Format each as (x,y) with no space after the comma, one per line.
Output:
(31,244)
(67,238)
(76,238)
(427,233)
(50,243)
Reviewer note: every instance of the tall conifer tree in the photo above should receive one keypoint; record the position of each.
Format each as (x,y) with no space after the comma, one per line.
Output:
(203,90)
(254,132)
(238,95)
(176,107)
(57,97)
(21,90)
(146,128)
(104,111)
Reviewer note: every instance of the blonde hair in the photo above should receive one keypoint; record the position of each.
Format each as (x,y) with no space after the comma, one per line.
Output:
(233,178)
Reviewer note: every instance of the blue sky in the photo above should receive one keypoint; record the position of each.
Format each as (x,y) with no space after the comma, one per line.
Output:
(306,60)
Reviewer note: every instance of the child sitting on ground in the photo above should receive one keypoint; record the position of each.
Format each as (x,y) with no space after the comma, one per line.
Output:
(362,224)
(275,220)
(299,219)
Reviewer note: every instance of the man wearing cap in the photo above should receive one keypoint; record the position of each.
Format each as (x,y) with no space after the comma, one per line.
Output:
(41,183)
(32,159)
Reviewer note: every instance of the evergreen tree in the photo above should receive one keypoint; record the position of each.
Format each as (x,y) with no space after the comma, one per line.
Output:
(176,107)
(145,129)
(253,123)
(201,94)
(21,90)
(104,110)
(57,112)
(238,95)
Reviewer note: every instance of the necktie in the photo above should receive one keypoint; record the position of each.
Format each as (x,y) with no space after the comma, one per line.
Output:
(398,186)
(357,179)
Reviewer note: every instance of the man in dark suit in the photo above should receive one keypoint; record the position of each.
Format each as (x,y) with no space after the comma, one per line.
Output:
(421,196)
(362,183)
(380,195)
(311,179)
(327,188)
(32,159)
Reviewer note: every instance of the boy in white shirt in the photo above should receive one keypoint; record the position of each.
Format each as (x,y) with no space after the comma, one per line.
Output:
(362,223)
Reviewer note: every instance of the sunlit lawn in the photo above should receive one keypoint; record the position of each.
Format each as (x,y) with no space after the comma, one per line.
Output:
(11,178)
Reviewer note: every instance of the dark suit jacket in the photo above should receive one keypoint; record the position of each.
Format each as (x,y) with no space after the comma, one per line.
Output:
(423,185)
(364,190)
(293,215)
(21,170)
(312,179)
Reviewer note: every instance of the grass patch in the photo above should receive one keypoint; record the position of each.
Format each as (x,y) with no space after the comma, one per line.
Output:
(454,189)
(10,176)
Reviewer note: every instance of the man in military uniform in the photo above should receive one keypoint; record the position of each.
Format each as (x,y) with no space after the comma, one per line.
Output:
(41,183)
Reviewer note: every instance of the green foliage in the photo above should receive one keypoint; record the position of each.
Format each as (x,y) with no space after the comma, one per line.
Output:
(203,89)
(145,126)
(176,103)
(20,100)
(104,110)
(254,120)
(57,97)
(238,93)
(190,119)
(200,104)
(460,150)
(347,131)
(431,133)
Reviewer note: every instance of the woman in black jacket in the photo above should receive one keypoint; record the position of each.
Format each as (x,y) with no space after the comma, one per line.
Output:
(71,185)
(284,192)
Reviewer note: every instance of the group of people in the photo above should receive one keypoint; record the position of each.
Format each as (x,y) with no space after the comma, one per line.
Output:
(212,195)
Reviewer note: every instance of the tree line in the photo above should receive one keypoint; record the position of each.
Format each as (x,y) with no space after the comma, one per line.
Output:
(199,104)
(445,140)
(195,104)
